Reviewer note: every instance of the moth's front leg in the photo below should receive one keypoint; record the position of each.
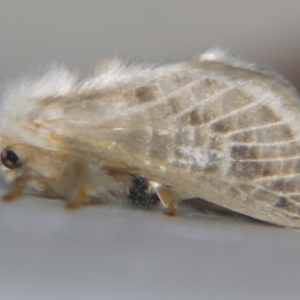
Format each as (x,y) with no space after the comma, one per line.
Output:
(17,188)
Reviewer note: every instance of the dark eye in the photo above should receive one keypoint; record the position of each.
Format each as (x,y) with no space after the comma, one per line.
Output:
(10,159)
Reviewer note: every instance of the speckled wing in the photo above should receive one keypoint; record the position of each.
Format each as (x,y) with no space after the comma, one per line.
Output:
(218,129)
(237,140)
(223,131)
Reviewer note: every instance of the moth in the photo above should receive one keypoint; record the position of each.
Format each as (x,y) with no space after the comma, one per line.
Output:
(213,127)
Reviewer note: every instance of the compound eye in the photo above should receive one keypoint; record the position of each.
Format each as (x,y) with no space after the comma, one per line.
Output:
(10,159)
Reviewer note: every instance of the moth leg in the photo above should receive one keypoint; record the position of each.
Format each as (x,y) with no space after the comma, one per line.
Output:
(17,188)
(76,178)
(168,196)
(78,199)
(83,184)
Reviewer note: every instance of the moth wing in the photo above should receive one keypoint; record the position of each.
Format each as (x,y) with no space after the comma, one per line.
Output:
(221,130)
(240,143)
(225,133)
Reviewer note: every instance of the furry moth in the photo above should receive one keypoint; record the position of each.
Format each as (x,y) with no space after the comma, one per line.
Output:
(212,127)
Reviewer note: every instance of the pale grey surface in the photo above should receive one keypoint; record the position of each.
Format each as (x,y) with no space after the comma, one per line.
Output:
(114,253)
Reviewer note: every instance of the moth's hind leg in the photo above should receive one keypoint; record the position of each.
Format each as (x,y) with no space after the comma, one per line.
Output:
(168,196)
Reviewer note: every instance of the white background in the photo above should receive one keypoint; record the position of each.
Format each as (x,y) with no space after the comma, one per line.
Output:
(107,252)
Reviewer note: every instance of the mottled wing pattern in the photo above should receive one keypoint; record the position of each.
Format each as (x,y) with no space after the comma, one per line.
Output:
(212,127)
(219,132)
(223,131)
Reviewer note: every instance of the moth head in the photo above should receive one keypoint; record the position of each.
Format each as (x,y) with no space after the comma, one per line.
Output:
(51,173)
(38,168)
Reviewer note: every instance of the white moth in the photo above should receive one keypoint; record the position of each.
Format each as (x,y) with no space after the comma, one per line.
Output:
(212,127)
